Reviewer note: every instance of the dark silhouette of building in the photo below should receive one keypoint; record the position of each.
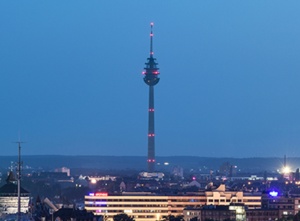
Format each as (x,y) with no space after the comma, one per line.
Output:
(151,78)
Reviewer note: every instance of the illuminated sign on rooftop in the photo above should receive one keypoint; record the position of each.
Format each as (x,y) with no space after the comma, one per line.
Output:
(98,194)
(273,193)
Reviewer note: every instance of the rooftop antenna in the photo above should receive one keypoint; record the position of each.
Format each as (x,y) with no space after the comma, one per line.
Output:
(19,178)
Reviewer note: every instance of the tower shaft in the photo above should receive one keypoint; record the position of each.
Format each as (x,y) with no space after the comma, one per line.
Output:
(151,133)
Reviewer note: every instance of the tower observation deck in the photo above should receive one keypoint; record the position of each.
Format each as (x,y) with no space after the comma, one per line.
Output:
(151,78)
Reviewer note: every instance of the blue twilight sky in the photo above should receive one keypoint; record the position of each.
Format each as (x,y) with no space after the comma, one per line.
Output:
(71,82)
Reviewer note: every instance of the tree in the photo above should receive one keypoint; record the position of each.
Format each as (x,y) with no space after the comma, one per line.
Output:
(287,218)
(297,217)
(123,217)
(172,218)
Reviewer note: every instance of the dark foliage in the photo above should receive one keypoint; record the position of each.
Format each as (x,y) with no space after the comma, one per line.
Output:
(123,217)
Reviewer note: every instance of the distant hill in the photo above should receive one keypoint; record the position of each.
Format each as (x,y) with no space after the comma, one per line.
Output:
(49,162)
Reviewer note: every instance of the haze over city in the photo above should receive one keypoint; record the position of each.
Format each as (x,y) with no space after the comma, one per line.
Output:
(71,77)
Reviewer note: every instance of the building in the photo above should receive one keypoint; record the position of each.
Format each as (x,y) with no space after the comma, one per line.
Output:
(177,171)
(238,212)
(9,197)
(231,212)
(146,206)
(191,213)
(151,176)
(286,204)
(63,170)
(262,214)
(151,78)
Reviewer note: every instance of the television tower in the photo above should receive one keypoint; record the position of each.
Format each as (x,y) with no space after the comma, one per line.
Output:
(151,78)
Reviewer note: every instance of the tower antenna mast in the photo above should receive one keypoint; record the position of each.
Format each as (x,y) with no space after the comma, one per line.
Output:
(151,40)
(151,79)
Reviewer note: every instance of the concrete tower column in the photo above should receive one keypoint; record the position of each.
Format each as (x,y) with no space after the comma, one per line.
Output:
(151,78)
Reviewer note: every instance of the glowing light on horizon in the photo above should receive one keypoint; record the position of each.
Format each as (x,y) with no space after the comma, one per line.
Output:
(286,170)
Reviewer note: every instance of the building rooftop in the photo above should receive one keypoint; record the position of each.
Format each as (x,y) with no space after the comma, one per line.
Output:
(11,188)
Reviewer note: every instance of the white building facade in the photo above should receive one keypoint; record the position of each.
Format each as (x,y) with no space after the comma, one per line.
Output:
(145,206)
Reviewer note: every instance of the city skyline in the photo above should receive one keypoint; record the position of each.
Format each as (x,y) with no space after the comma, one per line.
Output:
(71,78)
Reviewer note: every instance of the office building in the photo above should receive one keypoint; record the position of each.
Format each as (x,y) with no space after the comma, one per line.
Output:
(146,206)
